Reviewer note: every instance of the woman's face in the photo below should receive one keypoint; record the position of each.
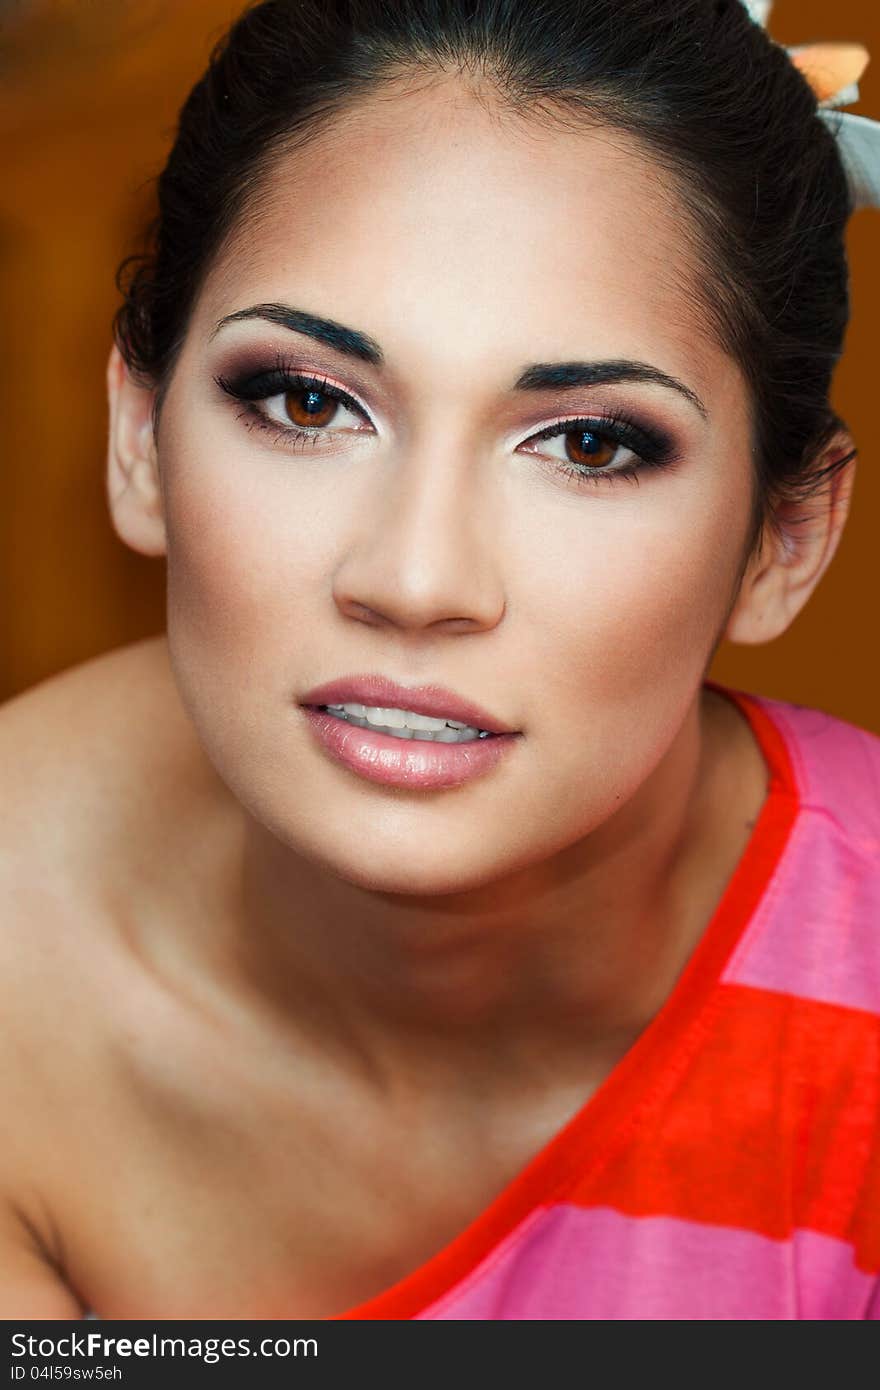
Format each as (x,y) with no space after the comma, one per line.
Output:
(438,525)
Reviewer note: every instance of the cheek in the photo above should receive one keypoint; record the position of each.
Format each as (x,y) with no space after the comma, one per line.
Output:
(245,551)
(247,555)
(626,590)
(619,619)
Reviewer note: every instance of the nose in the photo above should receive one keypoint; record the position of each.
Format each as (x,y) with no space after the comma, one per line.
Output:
(426,552)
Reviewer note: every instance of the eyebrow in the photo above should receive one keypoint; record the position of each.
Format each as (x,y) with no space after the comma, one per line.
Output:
(562,375)
(540,376)
(335,335)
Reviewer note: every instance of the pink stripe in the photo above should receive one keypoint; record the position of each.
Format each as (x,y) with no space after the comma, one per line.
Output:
(570,1263)
(814,933)
(836,765)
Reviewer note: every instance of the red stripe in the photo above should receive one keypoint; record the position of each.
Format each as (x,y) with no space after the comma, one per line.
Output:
(775,1127)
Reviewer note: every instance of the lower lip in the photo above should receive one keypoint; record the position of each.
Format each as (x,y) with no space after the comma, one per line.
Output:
(406,762)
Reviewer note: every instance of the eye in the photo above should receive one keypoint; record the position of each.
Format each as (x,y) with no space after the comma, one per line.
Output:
(311,406)
(298,408)
(603,449)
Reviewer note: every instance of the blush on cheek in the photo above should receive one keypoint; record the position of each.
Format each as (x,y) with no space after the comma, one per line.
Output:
(232,564)
(635,644)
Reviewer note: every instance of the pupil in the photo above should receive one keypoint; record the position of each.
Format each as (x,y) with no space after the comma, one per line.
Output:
(308,404)
(588,447)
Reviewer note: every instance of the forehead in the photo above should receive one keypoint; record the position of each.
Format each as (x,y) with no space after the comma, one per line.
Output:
(430,217)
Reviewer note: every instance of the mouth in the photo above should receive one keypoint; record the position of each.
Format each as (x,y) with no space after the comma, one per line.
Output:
(405,724)
(427,713)
(397,756)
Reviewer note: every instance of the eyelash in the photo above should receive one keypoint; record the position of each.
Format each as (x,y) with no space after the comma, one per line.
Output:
(652,448)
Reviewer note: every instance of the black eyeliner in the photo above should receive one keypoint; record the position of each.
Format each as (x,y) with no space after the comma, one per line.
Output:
(275,381)
(654,447)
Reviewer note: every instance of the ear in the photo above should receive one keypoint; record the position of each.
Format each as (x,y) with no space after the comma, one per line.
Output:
(795,553)
(134,485)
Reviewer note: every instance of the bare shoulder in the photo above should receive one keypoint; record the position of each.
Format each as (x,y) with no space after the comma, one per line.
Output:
(108,806)
(75,732)
(95,764)
(101,772)
(73,803)
(91,760)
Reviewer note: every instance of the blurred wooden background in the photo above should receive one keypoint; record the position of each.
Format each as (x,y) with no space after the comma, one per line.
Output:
(89,93)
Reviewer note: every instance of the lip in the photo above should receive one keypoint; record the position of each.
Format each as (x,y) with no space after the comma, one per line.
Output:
(410,764)
(433,700)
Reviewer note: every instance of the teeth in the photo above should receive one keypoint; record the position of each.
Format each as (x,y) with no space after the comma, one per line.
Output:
(404,722)
(407,724)
(422,721)
(391,718)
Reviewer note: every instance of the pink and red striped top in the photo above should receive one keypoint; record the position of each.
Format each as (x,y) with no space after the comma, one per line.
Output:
(729,1167)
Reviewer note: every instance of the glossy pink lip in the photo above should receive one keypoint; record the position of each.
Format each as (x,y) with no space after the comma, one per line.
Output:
(432,700)
(410,764)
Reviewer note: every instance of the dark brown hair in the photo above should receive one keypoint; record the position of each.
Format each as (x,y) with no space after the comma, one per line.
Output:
(715,102)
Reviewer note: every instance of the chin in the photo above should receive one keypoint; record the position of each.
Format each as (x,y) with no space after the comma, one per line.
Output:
(411,873)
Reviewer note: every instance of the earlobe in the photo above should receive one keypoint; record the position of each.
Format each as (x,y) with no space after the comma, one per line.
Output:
(795,552)
(134,488)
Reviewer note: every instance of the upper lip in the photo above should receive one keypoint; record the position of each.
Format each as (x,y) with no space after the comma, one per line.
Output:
(433,700)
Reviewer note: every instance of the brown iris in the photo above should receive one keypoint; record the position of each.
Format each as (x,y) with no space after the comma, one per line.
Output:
(307,406)
(596,457)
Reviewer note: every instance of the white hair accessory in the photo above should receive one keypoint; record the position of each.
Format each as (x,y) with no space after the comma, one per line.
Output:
(833,71)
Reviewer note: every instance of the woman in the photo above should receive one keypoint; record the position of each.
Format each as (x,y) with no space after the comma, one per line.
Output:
(420,933)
